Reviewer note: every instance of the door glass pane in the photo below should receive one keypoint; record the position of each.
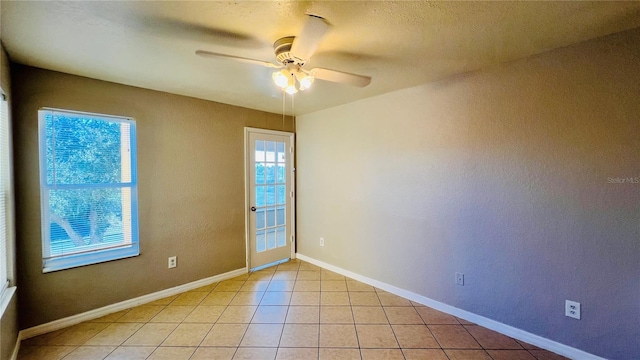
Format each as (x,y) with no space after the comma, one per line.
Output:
(271,217)
(260,196)
(281,236)
(270,172)
(259,151)
(260,241)
(280,174)
(259,173)
(280,219)
(282,195)
(271,151)
(271,195)
(260,219)
(271,239)
(280,154)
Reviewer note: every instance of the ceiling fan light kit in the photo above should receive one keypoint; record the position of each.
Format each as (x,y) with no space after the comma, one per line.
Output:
(292,78)
(285,81)
(292,53)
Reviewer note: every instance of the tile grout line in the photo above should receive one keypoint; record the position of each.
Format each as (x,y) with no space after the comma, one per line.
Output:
(245,330)
(389,321)
(284,321)
(429,330)
(177,326)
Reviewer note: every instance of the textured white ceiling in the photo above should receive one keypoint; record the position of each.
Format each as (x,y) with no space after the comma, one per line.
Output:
(399,43)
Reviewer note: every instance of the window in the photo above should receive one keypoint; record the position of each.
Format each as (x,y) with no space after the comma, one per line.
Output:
(5,189)
(88,188)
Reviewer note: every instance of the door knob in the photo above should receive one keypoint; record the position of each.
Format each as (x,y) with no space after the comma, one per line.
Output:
(253,208)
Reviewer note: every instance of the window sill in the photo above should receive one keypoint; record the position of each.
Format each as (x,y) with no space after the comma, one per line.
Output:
(5,299)
(96,257)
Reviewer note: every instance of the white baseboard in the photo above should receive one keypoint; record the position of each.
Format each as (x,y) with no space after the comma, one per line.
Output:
(123,305)
(504,329)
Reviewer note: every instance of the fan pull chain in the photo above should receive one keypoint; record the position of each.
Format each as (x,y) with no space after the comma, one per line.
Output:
(284,96)
(284,107)
(293,108)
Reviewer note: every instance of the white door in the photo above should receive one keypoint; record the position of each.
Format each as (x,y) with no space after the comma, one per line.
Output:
(270,196)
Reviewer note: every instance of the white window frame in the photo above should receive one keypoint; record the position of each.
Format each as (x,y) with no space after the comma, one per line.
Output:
(6,192)
(90,254)
(7,263)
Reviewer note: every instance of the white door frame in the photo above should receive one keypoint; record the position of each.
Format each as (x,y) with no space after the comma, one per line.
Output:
(247,184)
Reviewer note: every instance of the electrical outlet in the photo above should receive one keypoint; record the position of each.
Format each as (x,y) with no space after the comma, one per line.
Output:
(572,309)
(460,279)
(321,241)
(173,262)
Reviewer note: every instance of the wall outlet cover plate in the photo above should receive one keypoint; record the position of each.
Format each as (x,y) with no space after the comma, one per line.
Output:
(572,309)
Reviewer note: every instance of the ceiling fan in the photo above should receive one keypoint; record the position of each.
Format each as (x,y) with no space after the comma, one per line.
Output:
(292,52)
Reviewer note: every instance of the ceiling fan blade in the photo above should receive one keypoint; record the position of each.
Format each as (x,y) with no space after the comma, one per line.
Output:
(166,27)
(307,42)
(237,58)
(341,77)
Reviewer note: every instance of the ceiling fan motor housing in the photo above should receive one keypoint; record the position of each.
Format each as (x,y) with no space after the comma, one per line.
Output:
(282,48)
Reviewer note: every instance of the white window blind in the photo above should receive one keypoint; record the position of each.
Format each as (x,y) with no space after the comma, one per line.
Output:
(88,188)
(5,188)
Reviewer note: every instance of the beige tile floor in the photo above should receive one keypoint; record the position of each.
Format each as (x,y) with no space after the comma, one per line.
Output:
(294,310)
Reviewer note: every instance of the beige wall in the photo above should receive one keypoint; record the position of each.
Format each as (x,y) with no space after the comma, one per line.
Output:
(9,329)
(502,175)
(190,184)
(9,320)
